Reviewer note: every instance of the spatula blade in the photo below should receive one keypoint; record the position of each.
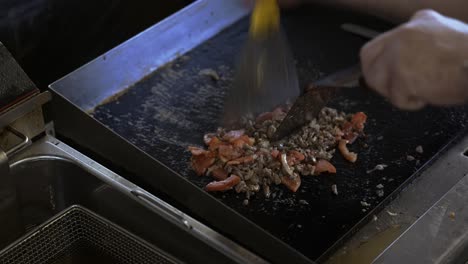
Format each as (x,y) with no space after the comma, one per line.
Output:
(308,105)
(306,108)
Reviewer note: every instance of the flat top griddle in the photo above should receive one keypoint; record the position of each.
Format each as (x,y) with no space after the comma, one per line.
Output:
(174,107)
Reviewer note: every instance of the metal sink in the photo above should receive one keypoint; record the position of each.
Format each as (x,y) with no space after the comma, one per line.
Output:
(50,176)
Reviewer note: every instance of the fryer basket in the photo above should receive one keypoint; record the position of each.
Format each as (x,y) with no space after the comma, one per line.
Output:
(78,235)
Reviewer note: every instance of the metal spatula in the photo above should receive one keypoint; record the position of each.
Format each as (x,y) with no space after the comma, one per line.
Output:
(309,104)
(266,76)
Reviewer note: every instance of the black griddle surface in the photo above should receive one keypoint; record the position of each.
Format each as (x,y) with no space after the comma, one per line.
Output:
(173,108)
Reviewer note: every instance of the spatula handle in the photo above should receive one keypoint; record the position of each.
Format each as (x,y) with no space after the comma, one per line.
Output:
(265,18)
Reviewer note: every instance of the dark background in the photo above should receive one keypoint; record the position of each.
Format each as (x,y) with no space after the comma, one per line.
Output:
(50,38)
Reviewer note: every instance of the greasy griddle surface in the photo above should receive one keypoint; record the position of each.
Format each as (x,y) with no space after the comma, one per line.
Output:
(174,107)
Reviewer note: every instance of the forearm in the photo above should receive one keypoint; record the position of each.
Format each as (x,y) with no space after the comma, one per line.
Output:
(402,10)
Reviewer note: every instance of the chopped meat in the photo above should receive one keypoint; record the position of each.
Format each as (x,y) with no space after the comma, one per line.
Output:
(223,185)
(324,166)
(348,155)
(233,134)
(285,165)
(247,161)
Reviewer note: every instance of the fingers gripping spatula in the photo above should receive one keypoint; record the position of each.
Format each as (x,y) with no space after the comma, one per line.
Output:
(266,76)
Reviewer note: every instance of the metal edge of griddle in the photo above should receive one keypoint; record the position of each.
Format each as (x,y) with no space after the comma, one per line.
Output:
(79,129)
(453,151)
(440,235)
(433,186)
(112,73)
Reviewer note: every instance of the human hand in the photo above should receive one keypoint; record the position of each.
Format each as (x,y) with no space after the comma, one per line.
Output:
(424,61)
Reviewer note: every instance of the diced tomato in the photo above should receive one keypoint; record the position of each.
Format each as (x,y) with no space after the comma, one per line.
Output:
(223,185)
(243,140)
(358,120)
(275,153)
(347,126)
(201,163)
(215,142)
(294,157)
(351,137)
(246,159)
(292,183)
(196,151)
(228,152)
(348,133)
(219,174)
(324,166)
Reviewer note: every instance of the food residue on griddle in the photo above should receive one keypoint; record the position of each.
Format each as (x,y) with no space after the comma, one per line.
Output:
(452,215)
(365,204)
(334,189)
(380,192)
(419,149)
(391,213)
(378,167)
(248,162)
(210,73)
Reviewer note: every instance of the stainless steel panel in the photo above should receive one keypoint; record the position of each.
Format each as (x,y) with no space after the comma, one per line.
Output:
(124,65)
